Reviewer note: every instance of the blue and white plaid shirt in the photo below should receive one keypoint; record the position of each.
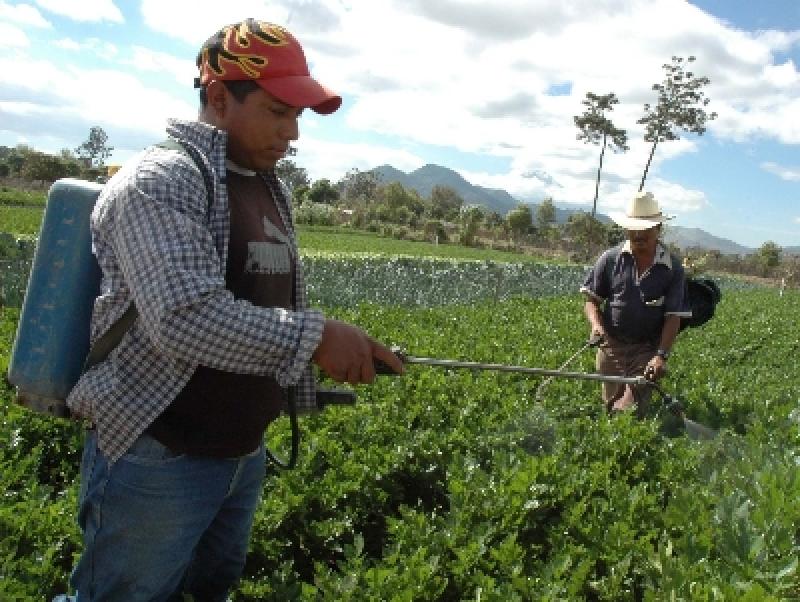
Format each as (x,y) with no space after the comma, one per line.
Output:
(159,246)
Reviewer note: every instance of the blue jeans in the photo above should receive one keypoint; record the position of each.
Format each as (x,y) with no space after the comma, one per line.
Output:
(157,525)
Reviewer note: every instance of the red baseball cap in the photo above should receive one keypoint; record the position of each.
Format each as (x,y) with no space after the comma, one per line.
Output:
(270,56)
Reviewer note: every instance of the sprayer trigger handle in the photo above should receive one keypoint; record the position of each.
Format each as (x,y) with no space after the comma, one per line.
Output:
(595,340)
(383,368)
(326,397)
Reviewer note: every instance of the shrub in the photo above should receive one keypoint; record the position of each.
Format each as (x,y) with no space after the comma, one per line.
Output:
(315,214)
(434,231)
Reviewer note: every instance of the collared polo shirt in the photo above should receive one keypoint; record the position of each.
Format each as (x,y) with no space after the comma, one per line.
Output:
(635,305)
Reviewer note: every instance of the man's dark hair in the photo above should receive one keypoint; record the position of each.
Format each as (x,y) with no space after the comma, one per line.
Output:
(239,88)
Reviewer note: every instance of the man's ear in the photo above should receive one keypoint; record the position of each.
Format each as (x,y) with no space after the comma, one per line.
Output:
(218,98)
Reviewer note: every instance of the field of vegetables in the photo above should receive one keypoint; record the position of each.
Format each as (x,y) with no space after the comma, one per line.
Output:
(460,485)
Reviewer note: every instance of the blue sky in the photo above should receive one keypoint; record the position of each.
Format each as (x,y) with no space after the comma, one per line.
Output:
(488,89)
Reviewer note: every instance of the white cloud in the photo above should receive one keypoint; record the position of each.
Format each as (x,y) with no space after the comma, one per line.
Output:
(67,44)
(13,37)
(100,48)
(23,14)
(676,199)
(454,63)
(56,104)
(451,83)
(201,18)
(790,174)
(145,59)
(780,41)
(332,160)
(92,11)
(517,19)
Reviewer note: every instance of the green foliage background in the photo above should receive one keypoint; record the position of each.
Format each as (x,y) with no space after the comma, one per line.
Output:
(343,241)
(459,485)
(16,196)
(23,220)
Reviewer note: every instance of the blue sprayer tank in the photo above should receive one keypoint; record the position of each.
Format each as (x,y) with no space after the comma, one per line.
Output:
(53,334)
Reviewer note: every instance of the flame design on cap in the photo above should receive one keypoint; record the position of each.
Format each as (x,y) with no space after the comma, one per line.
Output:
(234,42)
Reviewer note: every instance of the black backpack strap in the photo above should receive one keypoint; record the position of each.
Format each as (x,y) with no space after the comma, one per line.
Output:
(610,263)
(112,337)
(194,154)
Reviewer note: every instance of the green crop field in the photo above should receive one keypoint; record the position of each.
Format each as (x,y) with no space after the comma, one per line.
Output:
(18,197)
(21,211)
(460,485)
(22,221)
(342,241)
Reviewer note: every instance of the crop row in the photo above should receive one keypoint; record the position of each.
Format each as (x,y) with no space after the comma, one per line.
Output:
(479,491)
(461,485)
(348,279)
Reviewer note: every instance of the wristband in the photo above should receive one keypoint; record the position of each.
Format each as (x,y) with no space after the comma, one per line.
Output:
(663,353)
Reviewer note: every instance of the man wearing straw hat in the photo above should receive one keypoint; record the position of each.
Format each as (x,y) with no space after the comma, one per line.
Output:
(635,299)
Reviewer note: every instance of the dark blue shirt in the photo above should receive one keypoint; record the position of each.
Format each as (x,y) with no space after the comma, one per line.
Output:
(635,306)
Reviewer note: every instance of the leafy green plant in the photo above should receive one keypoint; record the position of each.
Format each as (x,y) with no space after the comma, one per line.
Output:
(20,197)
(22,220)
(461,485)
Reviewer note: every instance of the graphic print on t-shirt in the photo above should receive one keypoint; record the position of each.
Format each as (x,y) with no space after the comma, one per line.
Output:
(269,257)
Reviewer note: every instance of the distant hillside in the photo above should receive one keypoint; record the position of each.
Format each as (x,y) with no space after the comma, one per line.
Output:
(426,177)
(686,238)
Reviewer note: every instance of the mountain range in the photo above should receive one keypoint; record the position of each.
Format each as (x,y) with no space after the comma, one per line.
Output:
(426,177)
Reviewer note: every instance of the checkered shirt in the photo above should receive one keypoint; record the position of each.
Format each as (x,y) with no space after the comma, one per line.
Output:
(160,246)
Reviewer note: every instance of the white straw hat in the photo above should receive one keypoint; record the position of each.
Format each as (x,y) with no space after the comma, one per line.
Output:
(642,213)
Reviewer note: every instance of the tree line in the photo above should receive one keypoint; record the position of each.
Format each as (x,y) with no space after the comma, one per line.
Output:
(362,200)
(86,161)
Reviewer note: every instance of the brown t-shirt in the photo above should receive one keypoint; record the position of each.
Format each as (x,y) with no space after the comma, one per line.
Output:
(224,414)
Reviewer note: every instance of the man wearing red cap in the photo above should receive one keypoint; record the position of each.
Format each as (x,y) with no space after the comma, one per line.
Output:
(197,236)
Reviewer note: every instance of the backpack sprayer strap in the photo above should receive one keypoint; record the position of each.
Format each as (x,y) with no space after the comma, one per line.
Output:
(110,339)
(197,159)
